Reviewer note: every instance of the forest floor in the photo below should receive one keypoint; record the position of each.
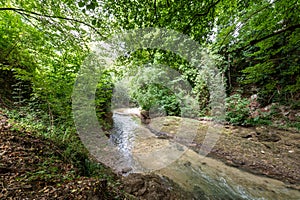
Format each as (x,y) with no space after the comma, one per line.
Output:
(32,167)
(260,150)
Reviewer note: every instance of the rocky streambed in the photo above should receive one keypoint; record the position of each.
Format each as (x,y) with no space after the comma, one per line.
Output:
(242,163)
(261,150)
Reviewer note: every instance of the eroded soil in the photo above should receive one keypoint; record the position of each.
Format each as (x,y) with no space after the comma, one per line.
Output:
(153,187)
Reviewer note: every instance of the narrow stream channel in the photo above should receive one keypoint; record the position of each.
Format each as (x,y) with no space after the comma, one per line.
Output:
(140,151)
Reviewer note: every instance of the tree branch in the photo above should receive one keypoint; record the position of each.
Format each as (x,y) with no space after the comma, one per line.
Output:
(255,41)
(26,15)
(155,10)
(291,28)
(19,11)
(207,11)
(200,15)
(248,18)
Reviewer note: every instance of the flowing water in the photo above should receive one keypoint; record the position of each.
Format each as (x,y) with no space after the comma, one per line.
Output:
(138,150)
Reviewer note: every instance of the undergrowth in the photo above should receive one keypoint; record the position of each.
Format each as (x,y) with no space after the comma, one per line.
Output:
(63,135)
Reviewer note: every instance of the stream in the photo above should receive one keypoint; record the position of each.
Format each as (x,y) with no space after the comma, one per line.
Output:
(137,150)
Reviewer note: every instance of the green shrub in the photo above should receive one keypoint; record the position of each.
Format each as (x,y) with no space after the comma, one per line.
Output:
(153,89)
(103,97)
(237,110)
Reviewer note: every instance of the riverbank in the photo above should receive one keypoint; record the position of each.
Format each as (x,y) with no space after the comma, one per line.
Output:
(33,167)
(260,150)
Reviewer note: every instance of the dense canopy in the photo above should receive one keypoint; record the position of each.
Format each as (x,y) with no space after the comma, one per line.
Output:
(256,42)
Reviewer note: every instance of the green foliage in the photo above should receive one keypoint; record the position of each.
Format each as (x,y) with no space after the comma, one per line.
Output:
(201,93)
(238,110)
(103,98)
(295,124)
(64,136)
(42,55)
(43,45)
(165,82)
(27,121)
(189,17)
(48,171)
(155,95)
(152,90)
(261,41)
(260,120)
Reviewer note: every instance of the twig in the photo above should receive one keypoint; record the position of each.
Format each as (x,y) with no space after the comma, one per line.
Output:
(155,10)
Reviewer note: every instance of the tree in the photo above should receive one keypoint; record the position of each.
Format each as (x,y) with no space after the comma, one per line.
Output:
(257,40)
(260,42)
(44,45)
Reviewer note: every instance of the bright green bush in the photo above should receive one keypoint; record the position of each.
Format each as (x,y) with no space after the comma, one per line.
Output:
(237,109)
(103,97)
(156,89)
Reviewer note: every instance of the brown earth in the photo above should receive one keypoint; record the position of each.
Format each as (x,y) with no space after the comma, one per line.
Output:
(34,168)
(153,187)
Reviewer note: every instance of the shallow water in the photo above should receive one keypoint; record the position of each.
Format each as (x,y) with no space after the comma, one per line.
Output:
(134,146)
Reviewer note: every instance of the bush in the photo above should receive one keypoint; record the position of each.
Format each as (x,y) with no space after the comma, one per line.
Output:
(103,97)
(153,89)
(237,110)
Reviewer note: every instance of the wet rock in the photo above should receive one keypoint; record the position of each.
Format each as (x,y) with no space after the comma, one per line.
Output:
(249,135)
(199,193)
(145,117)
(164,136)
(166,123)
(160,134)
(179,148)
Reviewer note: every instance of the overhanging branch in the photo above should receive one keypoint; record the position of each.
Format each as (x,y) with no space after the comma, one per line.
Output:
(255,41)
(248,18)
(30,13)
(200,15)
(291,28)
